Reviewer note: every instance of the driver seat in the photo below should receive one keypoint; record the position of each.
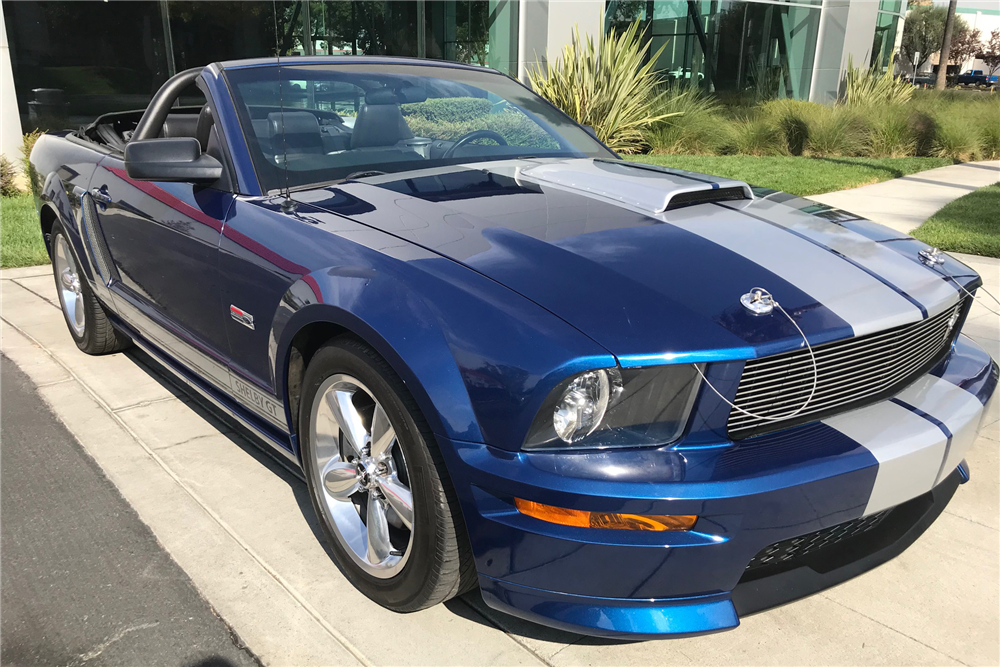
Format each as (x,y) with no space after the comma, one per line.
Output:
(379,125)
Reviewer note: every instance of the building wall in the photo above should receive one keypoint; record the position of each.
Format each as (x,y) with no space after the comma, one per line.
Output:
(547,26)
(10,122)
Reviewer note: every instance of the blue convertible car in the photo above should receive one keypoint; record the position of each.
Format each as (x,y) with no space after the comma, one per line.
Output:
(621,400)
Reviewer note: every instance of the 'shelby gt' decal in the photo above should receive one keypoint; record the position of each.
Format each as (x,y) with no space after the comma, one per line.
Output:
(241,316)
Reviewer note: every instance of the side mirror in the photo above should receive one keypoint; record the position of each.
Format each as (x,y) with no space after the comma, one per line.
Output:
(175,159)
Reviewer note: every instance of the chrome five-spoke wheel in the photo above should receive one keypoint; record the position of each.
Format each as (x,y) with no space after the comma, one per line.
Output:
(363,477)
(68,282)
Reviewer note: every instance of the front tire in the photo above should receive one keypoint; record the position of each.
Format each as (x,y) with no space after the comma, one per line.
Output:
(377,481)
(85,316)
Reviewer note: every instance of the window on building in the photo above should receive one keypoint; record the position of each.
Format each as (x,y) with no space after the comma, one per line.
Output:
(761,48)
(73,61)
(888,33)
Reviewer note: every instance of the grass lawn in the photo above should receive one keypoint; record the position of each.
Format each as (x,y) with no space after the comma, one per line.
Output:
(798,175)
(969,224)
(20,235)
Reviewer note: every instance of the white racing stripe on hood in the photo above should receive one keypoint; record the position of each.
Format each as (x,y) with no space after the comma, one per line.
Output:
(921,283)
(861,300)
(906,437)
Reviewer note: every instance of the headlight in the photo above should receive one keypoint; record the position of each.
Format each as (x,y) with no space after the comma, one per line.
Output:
(583,403)
(612,407)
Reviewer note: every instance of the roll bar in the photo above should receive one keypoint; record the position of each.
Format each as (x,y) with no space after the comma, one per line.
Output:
(152,120)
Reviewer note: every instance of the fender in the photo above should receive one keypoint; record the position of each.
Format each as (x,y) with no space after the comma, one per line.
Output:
(313,299)
(67,167)
(467,390)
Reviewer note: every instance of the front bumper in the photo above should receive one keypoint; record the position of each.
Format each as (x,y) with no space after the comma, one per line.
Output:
(804,481)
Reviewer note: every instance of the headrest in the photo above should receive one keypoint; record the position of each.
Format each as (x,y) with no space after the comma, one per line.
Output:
(402,95)
(292,122)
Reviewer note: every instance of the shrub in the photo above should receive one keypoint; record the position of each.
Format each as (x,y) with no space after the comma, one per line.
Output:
(957,139)
(792,117)
(756,135)
(27,143)
(869,87)
(448,109)
(891,134)
(8,173)
(834,132)
(612,90)
(991,136)
(694,124)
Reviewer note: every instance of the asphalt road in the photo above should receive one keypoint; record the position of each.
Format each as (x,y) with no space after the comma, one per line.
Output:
(84,581)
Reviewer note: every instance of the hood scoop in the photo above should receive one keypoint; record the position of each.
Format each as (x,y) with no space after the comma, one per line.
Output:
(645,187)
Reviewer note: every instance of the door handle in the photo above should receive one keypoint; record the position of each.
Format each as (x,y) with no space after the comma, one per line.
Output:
(101,195)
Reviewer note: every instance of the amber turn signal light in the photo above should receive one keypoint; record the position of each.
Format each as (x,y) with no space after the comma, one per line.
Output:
(582,519)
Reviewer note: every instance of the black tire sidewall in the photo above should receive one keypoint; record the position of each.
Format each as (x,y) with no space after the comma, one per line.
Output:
(408,589)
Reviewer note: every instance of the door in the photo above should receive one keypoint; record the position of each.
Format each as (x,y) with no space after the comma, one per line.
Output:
(164,240)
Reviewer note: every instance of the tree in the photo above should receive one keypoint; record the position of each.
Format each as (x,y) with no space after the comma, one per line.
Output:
(966,43)
(991,55)
(922,33)
(949,29)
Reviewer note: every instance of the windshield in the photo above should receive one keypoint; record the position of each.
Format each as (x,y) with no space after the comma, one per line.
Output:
(324,123)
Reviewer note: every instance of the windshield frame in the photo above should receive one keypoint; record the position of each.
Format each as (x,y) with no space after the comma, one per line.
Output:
(273,179)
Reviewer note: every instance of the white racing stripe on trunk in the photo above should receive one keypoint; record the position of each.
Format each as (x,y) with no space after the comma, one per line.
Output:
(924,285)
(959,411)
(908,448)
(858,298)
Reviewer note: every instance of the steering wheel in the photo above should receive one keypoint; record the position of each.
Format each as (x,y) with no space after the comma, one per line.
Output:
(472,136)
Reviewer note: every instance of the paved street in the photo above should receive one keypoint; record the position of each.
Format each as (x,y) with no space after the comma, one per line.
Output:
(239,526)
(84,580)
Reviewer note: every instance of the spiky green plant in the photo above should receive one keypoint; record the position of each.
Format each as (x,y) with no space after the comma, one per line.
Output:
(610,89)
(870,87)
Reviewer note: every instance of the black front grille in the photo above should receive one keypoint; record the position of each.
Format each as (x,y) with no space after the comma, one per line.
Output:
(852,372)
(788,551)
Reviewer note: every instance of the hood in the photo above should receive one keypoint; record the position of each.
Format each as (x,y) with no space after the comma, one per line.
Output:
(650,262)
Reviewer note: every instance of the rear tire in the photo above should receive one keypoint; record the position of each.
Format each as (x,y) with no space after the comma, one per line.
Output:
(86,319)
(419,565)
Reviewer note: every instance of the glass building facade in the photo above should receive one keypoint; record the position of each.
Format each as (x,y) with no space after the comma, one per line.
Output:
(72,61)
(723,46)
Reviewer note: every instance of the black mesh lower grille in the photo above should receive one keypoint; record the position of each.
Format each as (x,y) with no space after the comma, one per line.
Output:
(787,551)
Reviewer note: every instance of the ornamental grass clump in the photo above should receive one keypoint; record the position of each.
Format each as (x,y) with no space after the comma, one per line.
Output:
(612,90)
(891,134)
(756,134)
(693,126)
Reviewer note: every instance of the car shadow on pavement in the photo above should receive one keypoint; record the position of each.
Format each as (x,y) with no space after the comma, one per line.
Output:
(470,606)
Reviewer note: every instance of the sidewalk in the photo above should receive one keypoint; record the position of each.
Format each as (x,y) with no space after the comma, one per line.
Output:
(904,203)
(240,526)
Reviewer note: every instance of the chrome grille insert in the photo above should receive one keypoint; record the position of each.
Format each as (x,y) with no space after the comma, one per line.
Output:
(852,372)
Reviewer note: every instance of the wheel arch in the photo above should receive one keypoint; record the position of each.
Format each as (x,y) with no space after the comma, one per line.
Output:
(304,331)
